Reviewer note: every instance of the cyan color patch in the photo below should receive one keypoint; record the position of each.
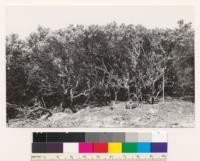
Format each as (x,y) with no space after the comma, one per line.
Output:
(143,147)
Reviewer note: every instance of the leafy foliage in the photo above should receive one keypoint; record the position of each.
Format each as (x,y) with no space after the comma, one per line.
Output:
(86,63)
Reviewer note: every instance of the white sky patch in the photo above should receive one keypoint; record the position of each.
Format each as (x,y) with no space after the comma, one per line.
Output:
(25,19)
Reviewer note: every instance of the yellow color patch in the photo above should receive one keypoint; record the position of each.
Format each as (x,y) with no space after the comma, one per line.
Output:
(114,147)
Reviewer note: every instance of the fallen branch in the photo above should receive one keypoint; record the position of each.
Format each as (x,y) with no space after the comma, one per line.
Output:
(33,113)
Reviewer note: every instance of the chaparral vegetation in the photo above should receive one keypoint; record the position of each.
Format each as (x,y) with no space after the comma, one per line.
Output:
(115,70)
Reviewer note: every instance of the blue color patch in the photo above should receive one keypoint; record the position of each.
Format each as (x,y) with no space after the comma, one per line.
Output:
(143,147)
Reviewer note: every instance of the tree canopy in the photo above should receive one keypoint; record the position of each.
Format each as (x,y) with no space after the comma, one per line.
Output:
(52,64)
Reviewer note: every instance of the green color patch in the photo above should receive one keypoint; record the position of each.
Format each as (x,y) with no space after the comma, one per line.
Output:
(129,147)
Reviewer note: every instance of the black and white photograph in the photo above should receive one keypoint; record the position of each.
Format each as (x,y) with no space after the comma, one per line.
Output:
(100,66)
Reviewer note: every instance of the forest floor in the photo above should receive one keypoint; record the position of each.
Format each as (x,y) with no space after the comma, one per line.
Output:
(172,113)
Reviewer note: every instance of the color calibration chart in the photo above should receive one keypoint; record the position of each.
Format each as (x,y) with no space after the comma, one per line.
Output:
(135,146)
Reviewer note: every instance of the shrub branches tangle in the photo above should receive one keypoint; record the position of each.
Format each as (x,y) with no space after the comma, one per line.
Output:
(94,62)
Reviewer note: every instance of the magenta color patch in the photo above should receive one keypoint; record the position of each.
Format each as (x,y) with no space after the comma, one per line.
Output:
(85,148)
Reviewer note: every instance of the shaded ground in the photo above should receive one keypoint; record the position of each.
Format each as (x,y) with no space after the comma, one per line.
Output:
(172,113)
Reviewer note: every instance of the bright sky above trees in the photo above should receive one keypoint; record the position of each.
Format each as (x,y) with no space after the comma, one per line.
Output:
(25,19)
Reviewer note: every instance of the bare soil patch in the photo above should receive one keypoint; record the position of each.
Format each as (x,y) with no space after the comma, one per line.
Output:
(173,113)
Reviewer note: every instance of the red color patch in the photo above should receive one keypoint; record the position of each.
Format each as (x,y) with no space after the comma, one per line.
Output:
(100,147)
